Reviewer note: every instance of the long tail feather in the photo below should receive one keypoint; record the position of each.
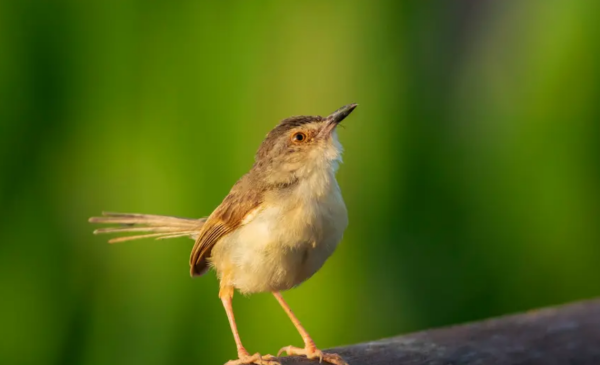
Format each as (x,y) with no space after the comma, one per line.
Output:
(153,226)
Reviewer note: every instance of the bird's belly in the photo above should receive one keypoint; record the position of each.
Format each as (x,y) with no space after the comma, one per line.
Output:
(272,254)
(277,267)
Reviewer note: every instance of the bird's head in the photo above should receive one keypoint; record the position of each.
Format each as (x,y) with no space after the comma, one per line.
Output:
(302,145)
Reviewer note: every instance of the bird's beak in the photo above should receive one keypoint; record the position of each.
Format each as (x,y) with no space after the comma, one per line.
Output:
(336,117)
(340,114)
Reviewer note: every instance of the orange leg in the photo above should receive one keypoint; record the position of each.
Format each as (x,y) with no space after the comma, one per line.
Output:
(226,295)
(310,350)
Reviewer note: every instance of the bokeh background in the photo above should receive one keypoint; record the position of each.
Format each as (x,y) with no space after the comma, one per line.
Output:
(471,174)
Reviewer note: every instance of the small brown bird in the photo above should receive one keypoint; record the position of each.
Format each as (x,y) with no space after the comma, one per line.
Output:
(276,227)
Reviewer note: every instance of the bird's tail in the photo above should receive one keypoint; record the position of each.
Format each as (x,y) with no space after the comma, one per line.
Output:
(148,226)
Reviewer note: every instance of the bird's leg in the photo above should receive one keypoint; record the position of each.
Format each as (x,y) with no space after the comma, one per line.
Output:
(310,350)
(226,295)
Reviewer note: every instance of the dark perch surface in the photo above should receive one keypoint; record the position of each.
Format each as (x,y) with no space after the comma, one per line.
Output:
(568,335)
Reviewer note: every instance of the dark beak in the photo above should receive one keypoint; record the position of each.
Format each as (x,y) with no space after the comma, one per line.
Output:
(337,116)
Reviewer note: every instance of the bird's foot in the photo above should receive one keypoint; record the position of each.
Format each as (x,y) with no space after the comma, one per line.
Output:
(313,353)
(246,359)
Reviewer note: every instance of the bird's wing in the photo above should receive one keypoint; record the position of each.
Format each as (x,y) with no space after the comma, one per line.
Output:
(241,203)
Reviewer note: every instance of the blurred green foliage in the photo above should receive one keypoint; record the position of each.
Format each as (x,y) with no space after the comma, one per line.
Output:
(472,173)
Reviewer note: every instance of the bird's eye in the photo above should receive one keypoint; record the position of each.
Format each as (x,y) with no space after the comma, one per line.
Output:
(299,137)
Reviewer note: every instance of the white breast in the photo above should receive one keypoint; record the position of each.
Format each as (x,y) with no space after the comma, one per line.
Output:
(286,241)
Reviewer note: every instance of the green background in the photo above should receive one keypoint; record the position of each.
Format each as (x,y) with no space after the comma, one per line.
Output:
(471,174)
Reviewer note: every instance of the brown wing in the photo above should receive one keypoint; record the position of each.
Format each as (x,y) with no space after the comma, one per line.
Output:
(228,216)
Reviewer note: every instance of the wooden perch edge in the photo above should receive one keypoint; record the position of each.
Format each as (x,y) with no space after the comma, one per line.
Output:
(564,335)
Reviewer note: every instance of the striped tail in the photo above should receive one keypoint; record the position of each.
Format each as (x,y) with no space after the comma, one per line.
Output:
(159,227)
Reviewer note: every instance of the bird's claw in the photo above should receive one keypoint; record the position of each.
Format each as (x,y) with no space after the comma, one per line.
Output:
(256,359)
(313,353)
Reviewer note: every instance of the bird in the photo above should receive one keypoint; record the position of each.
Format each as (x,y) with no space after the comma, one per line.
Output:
(276,227)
